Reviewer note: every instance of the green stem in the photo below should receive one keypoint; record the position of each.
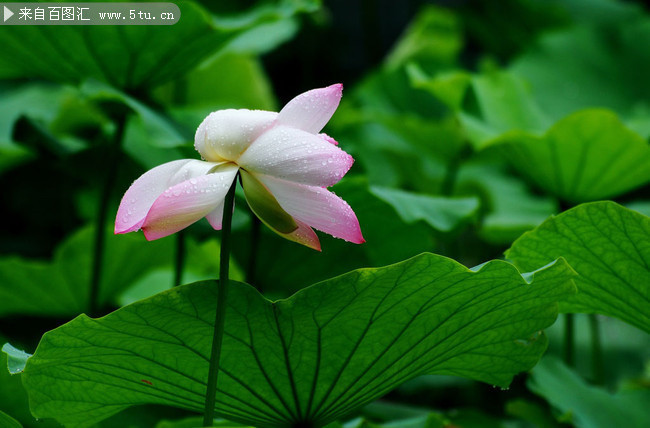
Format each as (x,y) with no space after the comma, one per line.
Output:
(220,317)
(447,244)
(453,167)
(569,351)
(597,365)
(179,262)
(113,157)
(449,180)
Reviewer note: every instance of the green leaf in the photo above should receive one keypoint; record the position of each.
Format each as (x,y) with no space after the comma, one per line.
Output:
(388,240)
(586,156)
(33,100)
(7,421)
(531,412)
(588,406)
(196,421)
(16,359)
(12,155)
(202,261)
(157,128)
(432,420)
(236,81)
(61,287)
(130,57)
(433,39)
(36,101)
(314,357)
(510,207)
(441,213)
(586,67)
(13,397)
(265,37)
(450,86)
(608,247)
(501,102)
(390,117)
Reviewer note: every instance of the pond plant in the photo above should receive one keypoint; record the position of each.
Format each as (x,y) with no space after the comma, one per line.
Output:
(468,244)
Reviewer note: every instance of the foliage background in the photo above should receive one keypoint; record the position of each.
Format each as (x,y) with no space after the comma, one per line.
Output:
(446,99)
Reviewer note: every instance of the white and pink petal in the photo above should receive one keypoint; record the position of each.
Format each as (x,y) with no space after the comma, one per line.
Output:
(329,139)
(316,207)
(310,111)
(139,198)
(291,154)
(215,217)
(226,134)
(303,235)
(185,203)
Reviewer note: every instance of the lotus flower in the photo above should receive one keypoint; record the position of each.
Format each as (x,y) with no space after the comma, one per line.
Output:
(285,165)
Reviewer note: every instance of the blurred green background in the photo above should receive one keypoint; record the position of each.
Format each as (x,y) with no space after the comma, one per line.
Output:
(450,108)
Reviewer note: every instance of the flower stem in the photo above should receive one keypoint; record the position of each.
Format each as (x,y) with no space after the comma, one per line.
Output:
(222,295)
(113,158)
(596,351)
(569,351)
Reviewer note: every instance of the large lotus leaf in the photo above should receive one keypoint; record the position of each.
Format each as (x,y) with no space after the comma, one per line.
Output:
(314,357)
(608,246)
(586,156)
